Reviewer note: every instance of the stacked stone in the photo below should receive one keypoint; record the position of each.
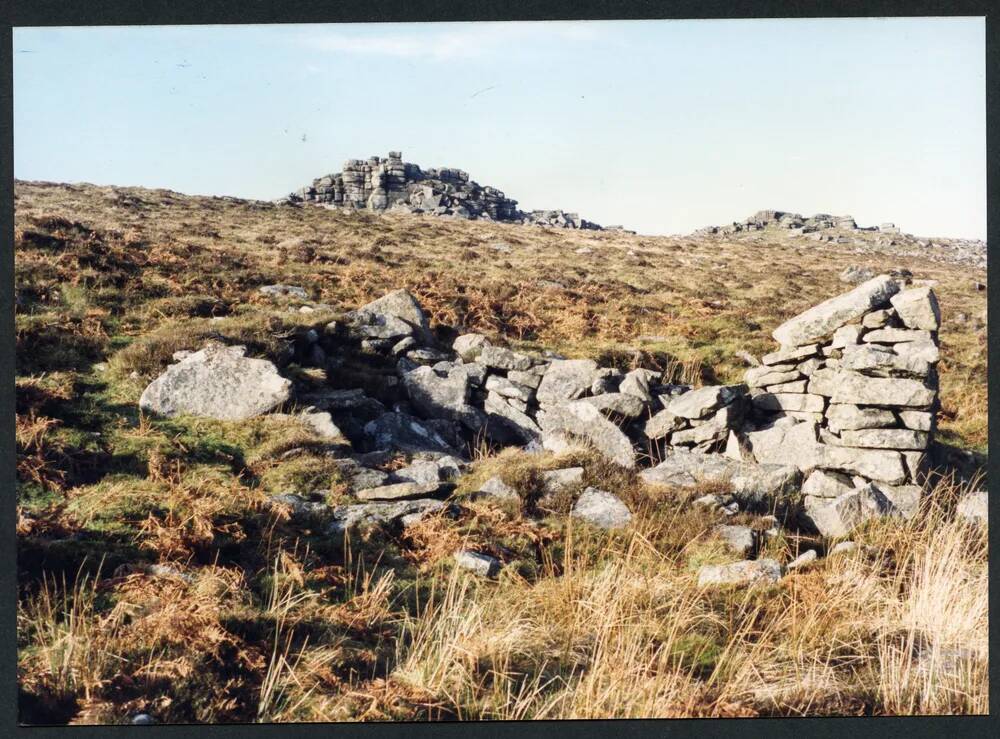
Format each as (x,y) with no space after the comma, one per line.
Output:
(390,183)
(850,396)
(700,420)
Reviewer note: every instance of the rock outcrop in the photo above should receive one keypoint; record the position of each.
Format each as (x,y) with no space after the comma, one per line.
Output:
(379,184)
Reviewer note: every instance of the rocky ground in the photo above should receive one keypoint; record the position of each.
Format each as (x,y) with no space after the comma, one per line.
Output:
(286,463)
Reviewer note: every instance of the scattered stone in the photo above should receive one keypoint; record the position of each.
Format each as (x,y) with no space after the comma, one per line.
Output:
(602,509)
(284,291)
(854,274)
(973,508)
(802,560)
(843,547)
(739,539)
(399,491)
(747,572)
(480,564)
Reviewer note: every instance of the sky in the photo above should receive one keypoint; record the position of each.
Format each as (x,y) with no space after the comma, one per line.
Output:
(661,126)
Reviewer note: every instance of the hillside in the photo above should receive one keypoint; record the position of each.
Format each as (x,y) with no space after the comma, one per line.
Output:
(199,593)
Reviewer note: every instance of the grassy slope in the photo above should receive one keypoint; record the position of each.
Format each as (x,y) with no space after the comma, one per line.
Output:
(273,622)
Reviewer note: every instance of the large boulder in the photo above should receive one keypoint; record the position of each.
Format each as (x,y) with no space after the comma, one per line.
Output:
(566,379)
(217,382)
(399,304)
(443,395)
(823,319)
(583,421)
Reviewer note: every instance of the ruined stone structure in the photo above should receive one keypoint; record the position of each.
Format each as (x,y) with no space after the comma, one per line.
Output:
(391,184)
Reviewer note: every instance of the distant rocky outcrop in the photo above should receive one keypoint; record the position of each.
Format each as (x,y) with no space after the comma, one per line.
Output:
(390,184)
(844,230)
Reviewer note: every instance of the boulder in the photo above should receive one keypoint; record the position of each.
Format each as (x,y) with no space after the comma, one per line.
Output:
(558,480)
(502,358)
(497,489)
(504,419)
(747,572)
(479,564)
(584,421)
(504,387)
(602,509)
(430,471)
(681,468)
(217,382)
(765,483)
(438,395)
(400,304)
(289,291)
(566,379)
(636,383)
(839,517)
(974,508)
(827,484)
(662,424)
(705,400)
(469,346)
(363,516)
(918,308)
(739,539)
(621,404)
(828,316)
(402,432)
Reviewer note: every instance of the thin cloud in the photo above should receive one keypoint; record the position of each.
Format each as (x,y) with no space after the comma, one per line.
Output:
(454,41)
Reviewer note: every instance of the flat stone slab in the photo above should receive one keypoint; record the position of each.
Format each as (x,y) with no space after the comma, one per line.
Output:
(479,564)
(747,572)
(828,316)
(399,491)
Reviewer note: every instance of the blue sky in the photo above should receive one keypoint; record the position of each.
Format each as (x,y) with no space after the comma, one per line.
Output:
(663,126)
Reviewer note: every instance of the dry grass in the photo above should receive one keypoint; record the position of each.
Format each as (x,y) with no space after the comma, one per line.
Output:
(211,606)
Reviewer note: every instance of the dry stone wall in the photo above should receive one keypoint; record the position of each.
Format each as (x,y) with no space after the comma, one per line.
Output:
(851,394)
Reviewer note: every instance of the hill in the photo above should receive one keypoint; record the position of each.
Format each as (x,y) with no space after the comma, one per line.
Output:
(210,566)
